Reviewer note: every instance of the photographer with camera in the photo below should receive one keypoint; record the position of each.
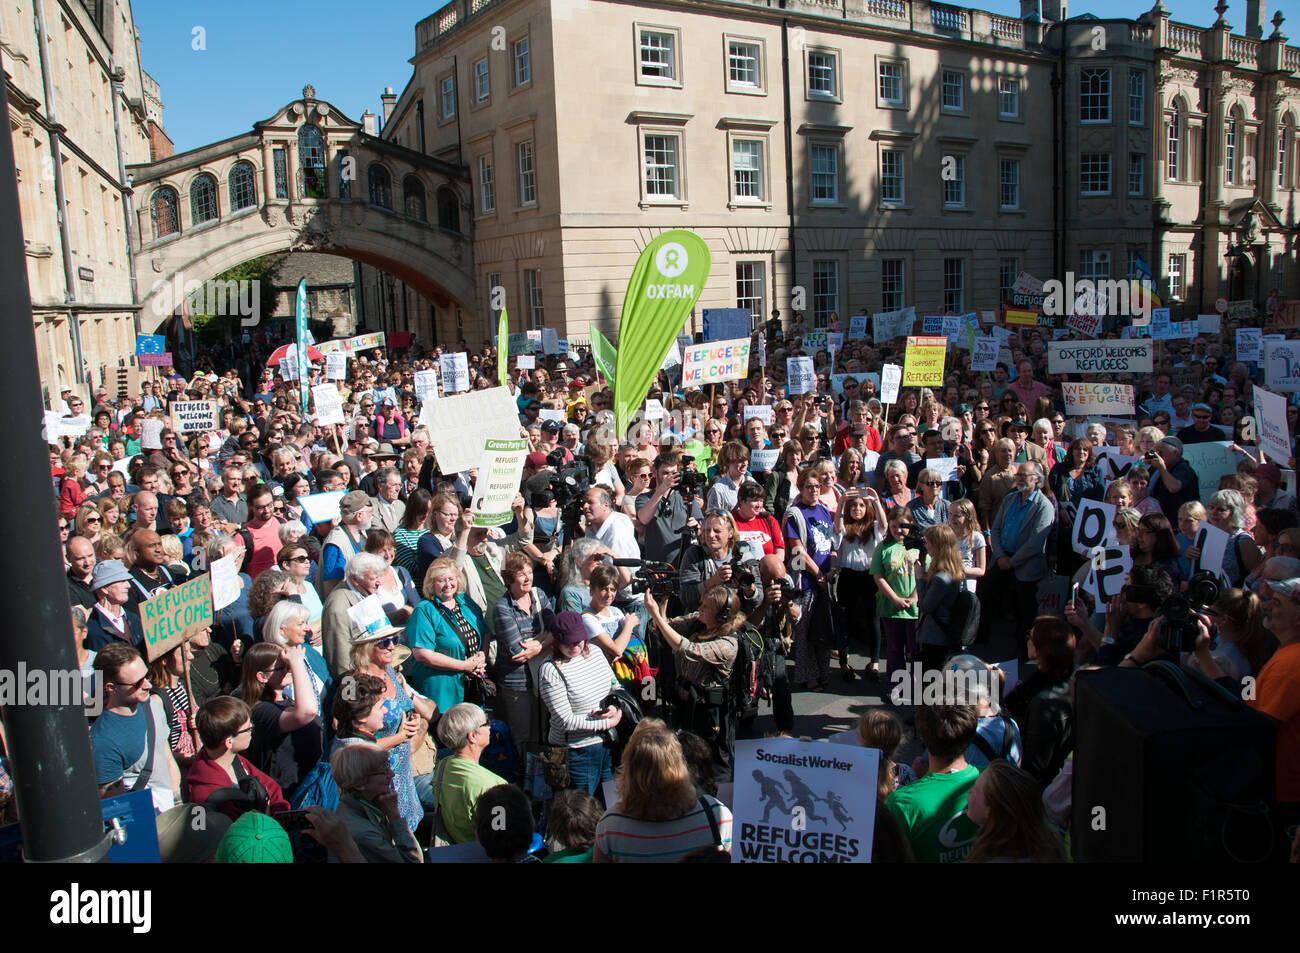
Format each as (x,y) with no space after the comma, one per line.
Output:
(705,657)
(718,560)
(776,618)
(1177,483)
(672,507)
(1130,614)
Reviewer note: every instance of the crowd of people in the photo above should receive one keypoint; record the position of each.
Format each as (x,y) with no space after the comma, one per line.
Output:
(658,593)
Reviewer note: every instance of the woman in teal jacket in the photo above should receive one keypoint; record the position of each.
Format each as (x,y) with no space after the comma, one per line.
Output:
(445,633)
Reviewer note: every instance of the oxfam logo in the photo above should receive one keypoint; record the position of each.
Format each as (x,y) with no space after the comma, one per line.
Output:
(672,260)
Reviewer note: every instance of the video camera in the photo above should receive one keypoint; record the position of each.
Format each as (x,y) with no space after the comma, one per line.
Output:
(570,483)
(915,538)
(1178,634)
(742,576)
(691,484)
(658,579)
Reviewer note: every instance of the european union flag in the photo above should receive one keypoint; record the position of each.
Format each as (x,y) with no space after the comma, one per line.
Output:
(150,344)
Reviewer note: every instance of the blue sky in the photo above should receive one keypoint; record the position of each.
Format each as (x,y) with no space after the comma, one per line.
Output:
(259,55)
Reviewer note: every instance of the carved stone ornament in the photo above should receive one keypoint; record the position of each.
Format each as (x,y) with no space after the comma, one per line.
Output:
(309,91)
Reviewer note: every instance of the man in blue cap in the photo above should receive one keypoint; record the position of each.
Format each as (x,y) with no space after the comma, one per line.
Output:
(110,621)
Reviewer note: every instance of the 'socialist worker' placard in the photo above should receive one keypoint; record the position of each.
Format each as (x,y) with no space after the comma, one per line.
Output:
(715,362)
(498,481)
(176,616)
(801,802)
(923,363)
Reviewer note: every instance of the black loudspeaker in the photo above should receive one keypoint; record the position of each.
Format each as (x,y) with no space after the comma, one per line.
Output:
(1169,767)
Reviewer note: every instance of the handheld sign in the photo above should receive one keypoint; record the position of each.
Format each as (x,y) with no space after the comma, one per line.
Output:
(455,372)
(336,365)
(176,615)
(329,405)
(923,361)
(195,416)
(1094,525)
(426,385)
(891,376)
(801,377)
(225,582)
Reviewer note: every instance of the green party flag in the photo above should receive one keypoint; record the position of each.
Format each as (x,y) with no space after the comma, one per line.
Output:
(604,354)
(667,281)
(503,348)
(301,334)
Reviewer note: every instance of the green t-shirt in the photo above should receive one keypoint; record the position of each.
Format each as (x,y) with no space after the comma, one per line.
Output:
(890,563)
(570,856)
(932,813)
(458,791)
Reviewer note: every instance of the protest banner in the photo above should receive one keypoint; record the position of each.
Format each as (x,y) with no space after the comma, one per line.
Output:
(500,468)
(1027,284)
(225,582)
(1112,463)
(1213,545)
(727,324)
(932,324)
(163,359)
(550,341)
(1282,366)
(455,372)
(666,282)
(1285,317)
(329,405)
(526,362)
(889,325)
(322,507)
(891,376)
(460,423)
(923,361)
(1208,323)
(1270,418)
(1084,323)
(426,385)
(176,616)
(1087,398)
(715,362)
(1021,317)
(762,411)
(1108,571)
(1099,357)
(814,341)
(760,461)
(1211,461)
(780,783)
(517,343)
(801,377)
(985,355)
(1250,344)
(562,347)
(1094,525)
(336,365)
(1240,310)
(361,342)
(195,416)
(857,327)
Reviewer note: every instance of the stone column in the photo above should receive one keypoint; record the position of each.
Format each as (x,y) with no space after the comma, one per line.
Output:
(291,174)
(268,171)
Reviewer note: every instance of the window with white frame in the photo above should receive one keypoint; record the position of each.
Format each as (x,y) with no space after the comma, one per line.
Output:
(487,187)
(822,73)
(527,171)
(1009,183)
(750,285)
(1137,166)
(1008,272)
(825,166)
(954,285)
(1137,98)
(1094,173)
(1177,273)
(1173,149)
(482,81)
(1009,97)
(892,183)
(954,90)
(893,284)
(447,90)
(826,291)
(953,169)
(1230,149)
(1285,136)
(658,55)
(1094,95)
(1094,264)
(1131,262)
(533,293)
(890,83)
(743,69)
(521,63)
(747,170)
(661,171)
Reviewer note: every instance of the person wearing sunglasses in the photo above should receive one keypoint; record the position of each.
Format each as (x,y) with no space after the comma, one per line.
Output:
(288,734)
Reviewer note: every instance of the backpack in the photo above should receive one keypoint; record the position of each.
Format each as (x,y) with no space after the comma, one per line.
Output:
(745,674)
(317,788)
(964,617)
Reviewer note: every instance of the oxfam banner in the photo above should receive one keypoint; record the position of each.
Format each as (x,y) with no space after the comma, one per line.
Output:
(667,281)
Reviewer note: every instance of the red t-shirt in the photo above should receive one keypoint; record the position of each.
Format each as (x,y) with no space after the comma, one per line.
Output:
(842,439)
(764,533)
(266,546)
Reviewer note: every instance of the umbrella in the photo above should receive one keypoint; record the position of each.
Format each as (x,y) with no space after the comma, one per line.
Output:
(283,351)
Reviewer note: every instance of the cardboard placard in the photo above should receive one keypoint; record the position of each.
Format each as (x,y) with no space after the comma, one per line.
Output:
(460,423)
(716,362)
(176,615)
(1089,398)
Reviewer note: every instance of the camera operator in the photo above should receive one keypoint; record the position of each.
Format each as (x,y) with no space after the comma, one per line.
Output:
(1177,483)
(705,656)
(776,618)
(667,510)
(615,532)
(1129,617)
(716,560)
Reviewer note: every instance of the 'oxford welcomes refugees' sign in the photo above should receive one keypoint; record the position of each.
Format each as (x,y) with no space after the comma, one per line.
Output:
(1099,357)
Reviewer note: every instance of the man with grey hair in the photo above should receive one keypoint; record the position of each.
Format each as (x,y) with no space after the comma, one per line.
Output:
(389,509)
(1177,483)
(1019,543)
(356,510)
(362,576)
(459,779)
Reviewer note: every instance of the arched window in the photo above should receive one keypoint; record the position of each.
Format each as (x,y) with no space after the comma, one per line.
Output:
(1285,149)
(1231,132)
(243,191)
(1173,164)
(448,210)
(413,199)
(163,210)
(203,200)
(311,162)
(381,187)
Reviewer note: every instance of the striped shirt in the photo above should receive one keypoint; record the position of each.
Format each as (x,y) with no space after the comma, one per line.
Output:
(627,840)
(571,690)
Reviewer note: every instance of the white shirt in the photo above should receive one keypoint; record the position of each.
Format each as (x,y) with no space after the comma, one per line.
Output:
(619,536)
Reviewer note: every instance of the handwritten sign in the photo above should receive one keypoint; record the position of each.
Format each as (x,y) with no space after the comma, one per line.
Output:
(1087,398)
(176,616)
(716,362)
(195,416)
(923,361)
(1099,357)
(1270,414)
(889,325)
(225,582)
(329,405)
(336,365)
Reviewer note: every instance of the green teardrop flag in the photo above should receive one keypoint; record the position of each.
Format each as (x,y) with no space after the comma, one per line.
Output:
(604,354)
(503,348)
(667,281)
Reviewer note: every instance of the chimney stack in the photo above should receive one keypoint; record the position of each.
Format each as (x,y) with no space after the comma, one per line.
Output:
(1255,19)
(389,99)
(368,123)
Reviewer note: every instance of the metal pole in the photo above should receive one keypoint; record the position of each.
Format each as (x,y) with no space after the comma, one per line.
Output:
(48,745)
